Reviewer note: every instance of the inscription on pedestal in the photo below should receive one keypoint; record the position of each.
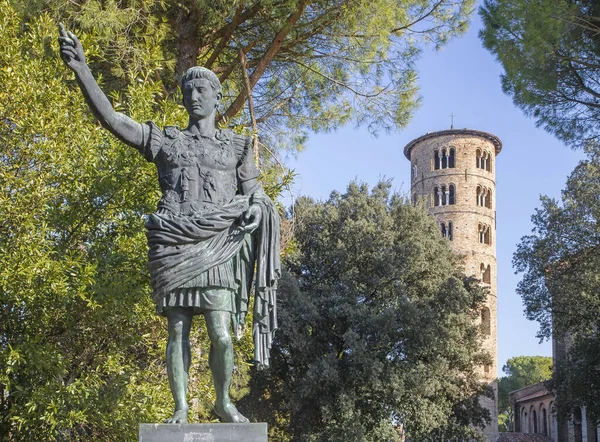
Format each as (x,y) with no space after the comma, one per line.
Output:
(203,432)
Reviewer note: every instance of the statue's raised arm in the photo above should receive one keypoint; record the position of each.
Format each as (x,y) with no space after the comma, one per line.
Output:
(120,125)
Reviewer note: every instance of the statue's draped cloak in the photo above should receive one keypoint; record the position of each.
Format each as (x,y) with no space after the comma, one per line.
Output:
(185,246)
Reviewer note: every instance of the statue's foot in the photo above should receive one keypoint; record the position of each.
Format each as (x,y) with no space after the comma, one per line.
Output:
(179,417)
(228,413)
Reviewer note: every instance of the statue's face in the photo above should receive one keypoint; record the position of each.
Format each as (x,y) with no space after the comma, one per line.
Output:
(199,98)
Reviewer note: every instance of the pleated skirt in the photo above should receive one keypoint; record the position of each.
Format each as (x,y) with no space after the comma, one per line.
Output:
(214,289)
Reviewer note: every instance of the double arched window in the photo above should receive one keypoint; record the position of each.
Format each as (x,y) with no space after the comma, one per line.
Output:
(446,229)
(483,160)
(444,195)
(485,235)
(484,197)
(444,158)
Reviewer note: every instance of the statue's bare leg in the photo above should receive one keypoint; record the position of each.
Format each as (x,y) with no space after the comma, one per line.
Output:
(178,360)
(221,364)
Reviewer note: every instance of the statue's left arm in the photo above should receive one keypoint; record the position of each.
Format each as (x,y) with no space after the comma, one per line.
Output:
(248,184)
(261,217)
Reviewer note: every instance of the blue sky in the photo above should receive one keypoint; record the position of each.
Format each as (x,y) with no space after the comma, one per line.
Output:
(463,79)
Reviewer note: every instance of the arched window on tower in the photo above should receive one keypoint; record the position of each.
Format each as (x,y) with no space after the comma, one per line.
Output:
(452,158)
(451,194)
(436,160)
(446,229)
(486,322)
(444,195)
(484,234)
(444,158)
(414,173)
(486,274)
(483,197)
(436,196)
(483,160)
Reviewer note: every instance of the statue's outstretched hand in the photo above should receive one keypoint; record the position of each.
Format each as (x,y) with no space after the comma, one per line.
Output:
(71,50)
(250,219)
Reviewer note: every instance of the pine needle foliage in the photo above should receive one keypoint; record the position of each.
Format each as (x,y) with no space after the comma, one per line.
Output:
(549,50)
(313,65)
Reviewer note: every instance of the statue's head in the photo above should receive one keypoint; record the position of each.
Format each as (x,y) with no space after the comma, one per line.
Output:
(200,72)
(201,90)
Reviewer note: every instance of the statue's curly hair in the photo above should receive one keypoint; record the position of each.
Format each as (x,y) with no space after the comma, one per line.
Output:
(201,72)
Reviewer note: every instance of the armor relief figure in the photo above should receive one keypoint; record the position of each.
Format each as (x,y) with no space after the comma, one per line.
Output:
(208,239)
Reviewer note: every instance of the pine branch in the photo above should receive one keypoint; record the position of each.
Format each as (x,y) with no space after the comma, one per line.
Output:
(267,57)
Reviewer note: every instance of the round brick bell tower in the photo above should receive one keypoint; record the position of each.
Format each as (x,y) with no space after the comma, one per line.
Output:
(455,172)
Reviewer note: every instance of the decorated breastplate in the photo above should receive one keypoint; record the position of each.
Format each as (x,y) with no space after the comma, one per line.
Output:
(196,173)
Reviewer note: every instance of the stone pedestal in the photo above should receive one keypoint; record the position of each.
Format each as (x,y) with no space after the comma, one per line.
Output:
(203,432)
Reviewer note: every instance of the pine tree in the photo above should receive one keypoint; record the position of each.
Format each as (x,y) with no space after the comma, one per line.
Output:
(520,372)
(549,50)
(310,65)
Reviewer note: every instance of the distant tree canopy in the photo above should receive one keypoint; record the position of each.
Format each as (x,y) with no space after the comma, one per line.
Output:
(520,372)
(550,51)
(311,65)
(560,285)
(379,327)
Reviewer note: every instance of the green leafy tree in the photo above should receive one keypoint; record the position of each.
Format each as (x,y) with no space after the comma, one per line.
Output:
(520,372)
(560,286)
(378,336)
(310,64)
(550,51)
(81,351)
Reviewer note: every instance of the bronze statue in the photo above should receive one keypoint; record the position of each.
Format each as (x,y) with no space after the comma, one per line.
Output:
(213,229)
